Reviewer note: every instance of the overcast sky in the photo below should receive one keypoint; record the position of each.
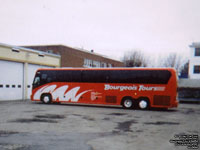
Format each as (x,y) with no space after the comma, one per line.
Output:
(109,27)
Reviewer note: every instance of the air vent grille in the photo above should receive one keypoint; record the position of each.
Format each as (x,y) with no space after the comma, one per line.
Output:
(111,99)
(161,100)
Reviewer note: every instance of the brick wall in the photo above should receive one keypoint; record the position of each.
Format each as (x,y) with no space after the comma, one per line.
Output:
(71,57)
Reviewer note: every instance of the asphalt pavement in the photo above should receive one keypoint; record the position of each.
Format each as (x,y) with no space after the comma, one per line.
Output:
(26,125)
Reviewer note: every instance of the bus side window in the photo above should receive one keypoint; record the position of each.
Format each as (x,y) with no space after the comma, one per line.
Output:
(48,80)
(44,76)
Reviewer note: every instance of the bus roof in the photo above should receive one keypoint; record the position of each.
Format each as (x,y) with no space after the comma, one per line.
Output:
(115,68)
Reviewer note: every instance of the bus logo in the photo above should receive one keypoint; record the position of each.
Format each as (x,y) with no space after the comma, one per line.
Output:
(134,88)
(62,93)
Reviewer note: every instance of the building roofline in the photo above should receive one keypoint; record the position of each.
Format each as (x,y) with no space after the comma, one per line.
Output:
(76,48)
(29,50)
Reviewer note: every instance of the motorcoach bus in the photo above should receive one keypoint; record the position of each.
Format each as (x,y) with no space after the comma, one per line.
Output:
(129,87)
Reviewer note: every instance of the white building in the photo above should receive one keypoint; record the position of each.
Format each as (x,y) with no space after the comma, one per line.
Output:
(18,66)
(194,61)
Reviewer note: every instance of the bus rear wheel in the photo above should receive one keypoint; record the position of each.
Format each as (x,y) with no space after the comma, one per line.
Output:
(127,103)
(143,104)
(46,98)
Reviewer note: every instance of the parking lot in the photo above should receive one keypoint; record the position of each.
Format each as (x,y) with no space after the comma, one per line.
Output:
(36,126)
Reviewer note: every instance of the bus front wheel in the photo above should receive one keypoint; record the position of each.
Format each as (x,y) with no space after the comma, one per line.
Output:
(127,103)
(46,98)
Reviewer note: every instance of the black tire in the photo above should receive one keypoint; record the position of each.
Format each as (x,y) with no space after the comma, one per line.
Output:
(57,103)
(46,98)
(143,103)
(128,103)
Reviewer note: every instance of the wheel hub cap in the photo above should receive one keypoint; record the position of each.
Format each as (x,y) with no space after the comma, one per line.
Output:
(46,99)
(128,103)
(143,104)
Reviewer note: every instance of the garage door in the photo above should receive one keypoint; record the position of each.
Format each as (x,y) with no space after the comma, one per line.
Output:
(31,73)
(11,80)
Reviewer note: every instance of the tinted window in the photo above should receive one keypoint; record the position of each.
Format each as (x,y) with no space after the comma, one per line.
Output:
(126,76)
(47,76)
(139,76)
(96,76)
(104,76)
(68,76)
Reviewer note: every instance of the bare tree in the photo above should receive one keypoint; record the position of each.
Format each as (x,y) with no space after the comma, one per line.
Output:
(172,60)
(184,69)
(134,58)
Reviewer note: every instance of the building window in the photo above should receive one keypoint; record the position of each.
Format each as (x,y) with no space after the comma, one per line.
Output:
(87,63)
(196,69)
(96,64)
(50,51)
(109,65)
(197,51)
(103,65)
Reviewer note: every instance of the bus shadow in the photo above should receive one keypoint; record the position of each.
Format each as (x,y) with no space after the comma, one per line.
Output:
(107,107)
(162,110)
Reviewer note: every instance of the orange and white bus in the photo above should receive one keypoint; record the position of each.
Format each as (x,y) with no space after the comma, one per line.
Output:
(128,87)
